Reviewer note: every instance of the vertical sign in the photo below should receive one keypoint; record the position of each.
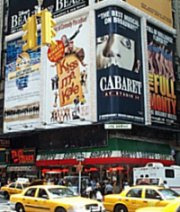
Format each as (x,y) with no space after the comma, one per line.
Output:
(22,87)
(119,65)
(161,76)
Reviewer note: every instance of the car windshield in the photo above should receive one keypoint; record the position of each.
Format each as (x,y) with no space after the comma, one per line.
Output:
(168,193)
(61,192)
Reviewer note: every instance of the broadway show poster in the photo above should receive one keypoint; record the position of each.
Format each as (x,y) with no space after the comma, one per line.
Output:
(68,86)
(22,88)
(161,76)
(119,65)
(19,10)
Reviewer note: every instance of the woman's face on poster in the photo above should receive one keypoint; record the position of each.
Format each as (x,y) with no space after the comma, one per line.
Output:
(115,50)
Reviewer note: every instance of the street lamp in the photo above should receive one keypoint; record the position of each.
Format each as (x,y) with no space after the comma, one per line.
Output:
(80,158)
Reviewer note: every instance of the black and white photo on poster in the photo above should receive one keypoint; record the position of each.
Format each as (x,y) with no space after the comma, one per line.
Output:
(119,65)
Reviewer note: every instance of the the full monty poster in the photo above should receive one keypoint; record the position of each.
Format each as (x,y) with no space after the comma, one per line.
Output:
(22,88)
(161,76)
(119,65)
(67,88)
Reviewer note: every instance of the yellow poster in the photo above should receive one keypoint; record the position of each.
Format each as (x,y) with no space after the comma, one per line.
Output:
(70,88)
(159,9)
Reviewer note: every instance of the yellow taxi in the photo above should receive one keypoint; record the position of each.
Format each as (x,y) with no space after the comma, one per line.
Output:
(172,207)
(140,196)
(53,198)
(14,187)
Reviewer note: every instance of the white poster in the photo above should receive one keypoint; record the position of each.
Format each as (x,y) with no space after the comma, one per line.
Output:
(22,88)
(67,86)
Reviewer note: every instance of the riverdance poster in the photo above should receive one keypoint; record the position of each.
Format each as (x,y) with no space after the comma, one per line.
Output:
(161,76)
(119,65)
(68,73)
(22,88)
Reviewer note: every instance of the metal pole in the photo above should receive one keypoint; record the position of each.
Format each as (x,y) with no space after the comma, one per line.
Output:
(79,178)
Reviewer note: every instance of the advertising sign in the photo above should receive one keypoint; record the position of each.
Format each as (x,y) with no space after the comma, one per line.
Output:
(68,73)
(119,65)
(22,156)
(18,11)
(22,87)
(161,76)
(161,9)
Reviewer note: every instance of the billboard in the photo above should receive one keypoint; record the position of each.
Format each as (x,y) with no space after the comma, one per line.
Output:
(67,66)
(18,11)
(161,49)
(119,65)
(161,9)
(22,87)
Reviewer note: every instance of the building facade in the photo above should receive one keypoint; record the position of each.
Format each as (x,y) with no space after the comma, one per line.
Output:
(114,109)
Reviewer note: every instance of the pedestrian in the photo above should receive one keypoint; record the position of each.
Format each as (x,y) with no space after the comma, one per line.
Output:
(98,192)
(108,188)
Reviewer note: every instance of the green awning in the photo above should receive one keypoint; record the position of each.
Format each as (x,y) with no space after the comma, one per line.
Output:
(138,146)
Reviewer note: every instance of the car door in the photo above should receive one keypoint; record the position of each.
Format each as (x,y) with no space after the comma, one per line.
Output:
(133,199)
(29,200)
(43,201)
(151,198)
(12,188)
(18,188)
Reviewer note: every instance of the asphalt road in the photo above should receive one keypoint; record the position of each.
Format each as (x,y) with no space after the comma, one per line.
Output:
(4,204)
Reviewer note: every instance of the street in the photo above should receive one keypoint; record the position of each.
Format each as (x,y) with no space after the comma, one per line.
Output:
(4,204)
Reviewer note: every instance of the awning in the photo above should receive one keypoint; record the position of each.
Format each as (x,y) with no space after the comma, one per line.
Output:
(101,161)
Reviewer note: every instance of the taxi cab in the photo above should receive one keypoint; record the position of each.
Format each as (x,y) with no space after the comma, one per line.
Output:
(53,198)
(172,207)
(132,198)
(15,187)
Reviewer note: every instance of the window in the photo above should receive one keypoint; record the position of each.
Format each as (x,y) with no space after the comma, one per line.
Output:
(134,193)
(30,192)
(169,173)
(13,185)
(19,186)
(42,194)
(151,194)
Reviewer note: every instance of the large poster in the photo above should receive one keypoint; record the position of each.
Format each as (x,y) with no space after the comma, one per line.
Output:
(68,73)
(161,76)
(119,65)
(19,10)
(22,88)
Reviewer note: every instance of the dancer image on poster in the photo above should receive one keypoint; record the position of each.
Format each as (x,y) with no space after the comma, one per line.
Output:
(160,60)
(70,47)
(116,50)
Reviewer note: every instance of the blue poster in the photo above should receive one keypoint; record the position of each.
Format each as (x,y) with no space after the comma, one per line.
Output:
(119,65)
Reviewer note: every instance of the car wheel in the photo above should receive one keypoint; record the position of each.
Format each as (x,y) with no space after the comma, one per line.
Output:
(19,207)
(60,210)
(120,208)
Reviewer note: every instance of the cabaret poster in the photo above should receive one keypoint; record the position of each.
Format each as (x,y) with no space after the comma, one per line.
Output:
(161,76)
(119,65)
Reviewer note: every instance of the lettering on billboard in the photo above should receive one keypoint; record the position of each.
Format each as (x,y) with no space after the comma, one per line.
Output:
(18,12)
(161,9)
(161,76)
(119,65)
